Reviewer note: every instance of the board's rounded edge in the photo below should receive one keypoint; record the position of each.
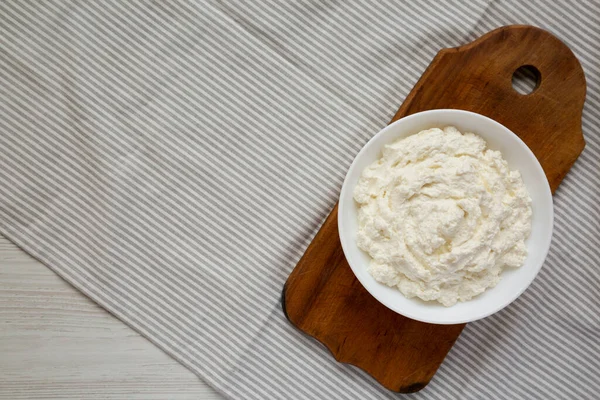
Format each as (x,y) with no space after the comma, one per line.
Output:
(283,304)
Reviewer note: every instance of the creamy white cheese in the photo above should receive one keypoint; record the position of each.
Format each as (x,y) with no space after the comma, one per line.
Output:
(441,216)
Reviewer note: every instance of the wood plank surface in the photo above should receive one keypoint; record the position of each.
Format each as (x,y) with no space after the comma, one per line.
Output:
(323,298)
(55,343)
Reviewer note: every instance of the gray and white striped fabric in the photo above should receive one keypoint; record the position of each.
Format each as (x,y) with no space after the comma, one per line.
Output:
(172,160)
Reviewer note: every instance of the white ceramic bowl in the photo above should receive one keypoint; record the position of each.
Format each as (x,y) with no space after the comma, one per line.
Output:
(514,281)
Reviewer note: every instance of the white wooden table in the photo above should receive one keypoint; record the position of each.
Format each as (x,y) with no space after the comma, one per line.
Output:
(56,343)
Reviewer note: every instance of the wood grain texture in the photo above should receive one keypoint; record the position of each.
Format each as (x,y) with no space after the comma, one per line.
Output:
(56,343)
(323,298)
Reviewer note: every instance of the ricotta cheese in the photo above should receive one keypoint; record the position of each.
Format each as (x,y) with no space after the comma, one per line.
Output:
(441,216)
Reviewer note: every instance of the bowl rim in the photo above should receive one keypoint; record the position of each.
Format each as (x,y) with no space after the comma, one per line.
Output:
(344,239)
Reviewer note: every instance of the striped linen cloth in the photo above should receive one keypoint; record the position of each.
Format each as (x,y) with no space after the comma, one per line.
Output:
(173,160)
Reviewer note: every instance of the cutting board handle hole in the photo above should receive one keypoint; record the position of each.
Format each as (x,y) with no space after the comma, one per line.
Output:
(526,79)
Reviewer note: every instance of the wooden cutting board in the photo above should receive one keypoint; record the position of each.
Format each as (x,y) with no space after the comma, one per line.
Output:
(323,298)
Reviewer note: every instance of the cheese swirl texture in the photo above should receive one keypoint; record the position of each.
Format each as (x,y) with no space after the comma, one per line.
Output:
(441,216)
